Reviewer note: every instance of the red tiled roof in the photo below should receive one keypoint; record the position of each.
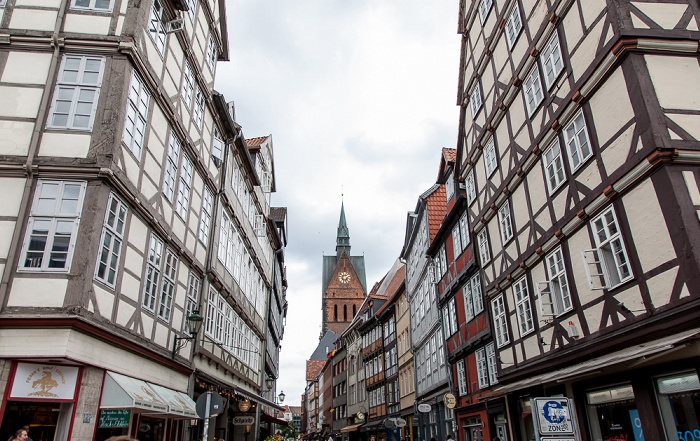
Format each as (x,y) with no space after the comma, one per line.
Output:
(313,368)
(255,142)
(393,288)
(437,210)
(450,155)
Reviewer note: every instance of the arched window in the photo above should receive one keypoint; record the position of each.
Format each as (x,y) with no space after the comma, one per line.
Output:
(335,312)
(345,313)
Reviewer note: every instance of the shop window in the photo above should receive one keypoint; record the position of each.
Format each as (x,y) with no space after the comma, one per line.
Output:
(613,415)
(679,403)
(473,429)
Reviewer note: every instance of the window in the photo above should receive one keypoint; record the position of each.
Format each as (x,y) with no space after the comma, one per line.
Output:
(491,363)
(577,143)
(217,146)
(52,227)
(442,256)
(513,25)
(490,162)
(156,26)
(473,303)
(482,369)
(2,3)
(192,9)
(523,307)
(551,59)
(171,167)
(111,241)
(475,100)
(498,308)
(456,241)
(225,327)
(211,53)
(532,89)
(449,317)
(462,378)
(205,217)
(484,8)
(167,289)
(678,402)
(505,222)
(464,230)
(77,91)
(184,189)
(192,302)
(153,269)
(483,242)
(198,111)
(136,115)
(187,85)
(607,266)
(90,5)
(471,188)
(554,296)
(553,166)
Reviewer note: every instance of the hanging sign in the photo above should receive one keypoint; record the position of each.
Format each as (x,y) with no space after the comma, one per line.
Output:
(114,418)
(450,401)
(424,408)
(44,382)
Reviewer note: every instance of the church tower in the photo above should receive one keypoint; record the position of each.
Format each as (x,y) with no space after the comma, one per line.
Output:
(344,282)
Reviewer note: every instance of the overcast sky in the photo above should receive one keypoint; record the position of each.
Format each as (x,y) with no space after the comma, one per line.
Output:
(359,97)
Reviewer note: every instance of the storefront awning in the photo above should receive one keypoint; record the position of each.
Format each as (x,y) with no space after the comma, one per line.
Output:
(275,420)
(371,426)
(634,355)
(351,428)
(124,392)
(257,398)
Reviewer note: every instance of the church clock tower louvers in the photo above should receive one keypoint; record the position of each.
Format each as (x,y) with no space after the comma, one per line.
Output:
(344,282)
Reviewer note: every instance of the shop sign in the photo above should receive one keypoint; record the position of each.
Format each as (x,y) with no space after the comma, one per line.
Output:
(243,421)
(424,408)
(553,416)
(114,418)
(359,418)
(44,381)
(400,422)
(450,401)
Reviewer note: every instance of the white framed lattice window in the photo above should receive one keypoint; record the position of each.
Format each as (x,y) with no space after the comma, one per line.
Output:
(514,25)
(607,265)
(482,240)
(500,320)
(470,183)
(77,92)
(491,363)
(167,288)
(490,158)
(223,238)
(170,169)
(52,227)
(578,145)
(217,146)
(192,9)
(552,61)
(188,82)
(475,100)
(484,8)
(184,187)
(553,294)
(89,5)
(194,283)
(505,222)
(523,307)
(136,115)
(198,111)
(456,241)
(111,241)
(464,230)
(151,280)
(482,370)
(212,53)
(442,256)
(205,216)
(449,317)
(461,378)
(553,166)
(473,302)
(532,90)
(156,26)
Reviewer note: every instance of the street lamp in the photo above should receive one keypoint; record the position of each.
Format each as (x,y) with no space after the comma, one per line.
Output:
(270,381)
(281,396)
(194,324)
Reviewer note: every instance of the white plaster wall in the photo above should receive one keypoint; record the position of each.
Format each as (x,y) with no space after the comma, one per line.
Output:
(68,145)
(20,102)
(33,19)
(615,155)
(15,137)
(120,25)
(666,15)
(6,230)
(45,293)
(105,300)
(16,68)
(583,56)
(578,242)
(11,196)
(591,10)
(661,286)
(668,74)
(87,24)
(124,313)
(611,107)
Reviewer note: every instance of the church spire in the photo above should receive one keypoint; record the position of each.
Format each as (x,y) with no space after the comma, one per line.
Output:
(343,239)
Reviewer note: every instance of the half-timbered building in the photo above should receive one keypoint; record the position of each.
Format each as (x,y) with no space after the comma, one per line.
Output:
(578,148)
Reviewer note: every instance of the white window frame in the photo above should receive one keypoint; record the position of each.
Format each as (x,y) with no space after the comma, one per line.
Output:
(505,222)
(136,116)
(553,294)
(442,256)
(553,166)
(192,9)
(483,242)
(205,216)
(475,101)
(514,24)
(484,9)
(198,110)
(77,87)
(167,288)
(464,230)
(491,363)
(194,284)
(482,370)
(552,60)
(532,90)
(500,321)
(473,301)
(151,280)
(212,53)
(470,183)
(578,151)
(217,146)
(2,3)
(188,82)
(184,189)
(523,307)
(490,157)
(171,164)
(50,209)
(107,265)
(88,5)
(449,316)
(607,265)
(461,378)
(456,241)
(156,26)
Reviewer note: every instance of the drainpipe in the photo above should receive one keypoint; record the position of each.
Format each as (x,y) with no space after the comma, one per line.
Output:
(33,147)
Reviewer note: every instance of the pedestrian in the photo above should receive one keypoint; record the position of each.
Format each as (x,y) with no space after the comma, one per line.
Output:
(448,437)
(20,435)
(26,429)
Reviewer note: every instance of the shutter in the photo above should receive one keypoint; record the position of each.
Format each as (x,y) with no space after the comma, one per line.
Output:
(596,270)
(545,298)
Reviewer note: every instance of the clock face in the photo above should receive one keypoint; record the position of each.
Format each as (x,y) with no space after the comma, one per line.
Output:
(344,277)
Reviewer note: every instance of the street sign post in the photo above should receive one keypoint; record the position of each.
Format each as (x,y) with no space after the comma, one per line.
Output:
(208,405)
(554,419)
